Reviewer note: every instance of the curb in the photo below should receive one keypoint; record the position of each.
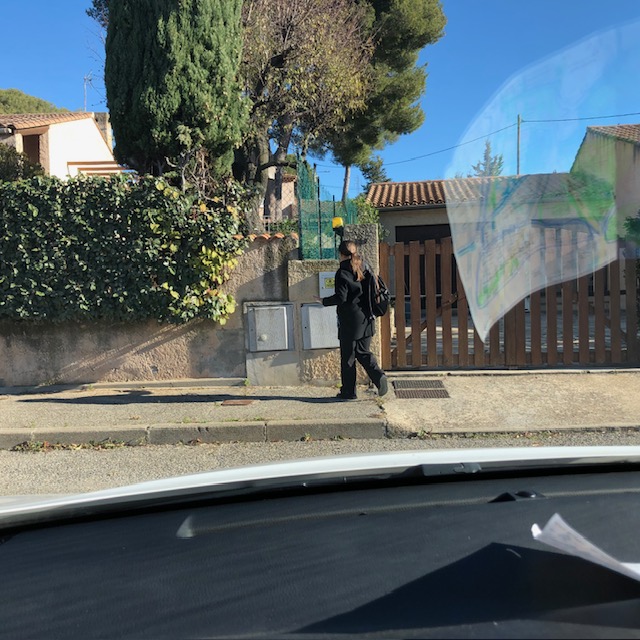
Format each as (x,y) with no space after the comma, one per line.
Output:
(488,372)
(266,432)
(211,433)
(464,433)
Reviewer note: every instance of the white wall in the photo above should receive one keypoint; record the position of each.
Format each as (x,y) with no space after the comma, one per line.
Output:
(617,162)
(76,141)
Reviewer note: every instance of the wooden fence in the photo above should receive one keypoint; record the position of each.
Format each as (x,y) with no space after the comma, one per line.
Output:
(592,320)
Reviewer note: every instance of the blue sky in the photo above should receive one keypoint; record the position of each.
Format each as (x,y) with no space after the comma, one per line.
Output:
(542,59)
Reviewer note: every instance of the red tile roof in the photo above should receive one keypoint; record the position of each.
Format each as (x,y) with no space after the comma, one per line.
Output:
(628,132)
(406,194)
(32,120)
(428,192)
(399,195)
(253,237)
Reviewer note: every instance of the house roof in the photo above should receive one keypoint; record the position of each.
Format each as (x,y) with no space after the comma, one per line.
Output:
(429,192)
(32,120)
(406,194)
(628,132)
(529,188)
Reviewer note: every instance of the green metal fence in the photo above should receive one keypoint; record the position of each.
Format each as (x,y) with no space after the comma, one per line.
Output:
(316,211)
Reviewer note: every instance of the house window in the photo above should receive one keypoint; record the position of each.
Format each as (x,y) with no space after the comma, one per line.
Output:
(31,147)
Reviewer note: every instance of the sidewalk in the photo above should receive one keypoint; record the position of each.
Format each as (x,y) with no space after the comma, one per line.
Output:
(226,410)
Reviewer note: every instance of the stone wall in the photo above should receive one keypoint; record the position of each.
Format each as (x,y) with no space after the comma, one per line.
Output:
(312,366)
(72,353)
(321,366)
(33,354)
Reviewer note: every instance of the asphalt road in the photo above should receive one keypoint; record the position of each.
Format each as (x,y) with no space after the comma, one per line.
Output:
(73,471)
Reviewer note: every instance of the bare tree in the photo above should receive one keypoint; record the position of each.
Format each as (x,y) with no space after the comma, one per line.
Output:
(305,67)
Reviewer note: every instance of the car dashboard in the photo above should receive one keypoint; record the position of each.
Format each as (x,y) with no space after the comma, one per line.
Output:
(409,555)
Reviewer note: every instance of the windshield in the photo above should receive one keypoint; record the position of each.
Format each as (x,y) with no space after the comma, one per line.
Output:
(319,318)
(175,294)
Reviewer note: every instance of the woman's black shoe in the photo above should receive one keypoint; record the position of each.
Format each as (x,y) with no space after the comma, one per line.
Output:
(383,386)
(340,396)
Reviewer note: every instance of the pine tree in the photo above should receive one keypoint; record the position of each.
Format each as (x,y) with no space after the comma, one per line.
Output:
(489,165)
(373,172)
(15,101)
(171,78)
(403,28)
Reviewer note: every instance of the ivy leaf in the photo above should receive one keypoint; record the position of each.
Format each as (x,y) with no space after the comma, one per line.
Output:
(96,250)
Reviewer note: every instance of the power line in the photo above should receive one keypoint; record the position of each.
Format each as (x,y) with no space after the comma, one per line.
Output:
(433,153)
(455,146)
(515,124)
(618,115)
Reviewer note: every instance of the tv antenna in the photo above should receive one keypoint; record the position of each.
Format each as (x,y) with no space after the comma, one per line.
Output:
(88,81)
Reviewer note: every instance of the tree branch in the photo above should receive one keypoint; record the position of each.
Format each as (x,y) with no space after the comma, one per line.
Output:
(275,163)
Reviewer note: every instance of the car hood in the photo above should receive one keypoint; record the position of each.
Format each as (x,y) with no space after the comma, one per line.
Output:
(17,510)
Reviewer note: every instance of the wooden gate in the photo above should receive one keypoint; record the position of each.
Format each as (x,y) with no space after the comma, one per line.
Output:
(592,320)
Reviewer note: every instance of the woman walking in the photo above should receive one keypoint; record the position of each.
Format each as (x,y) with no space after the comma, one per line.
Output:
(355,327)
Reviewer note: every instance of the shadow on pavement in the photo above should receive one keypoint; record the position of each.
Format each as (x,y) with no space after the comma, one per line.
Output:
(138,397)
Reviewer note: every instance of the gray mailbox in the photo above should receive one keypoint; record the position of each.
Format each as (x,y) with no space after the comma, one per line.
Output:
(319,327)
(270,327)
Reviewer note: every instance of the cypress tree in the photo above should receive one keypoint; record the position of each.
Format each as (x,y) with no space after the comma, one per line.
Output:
(171,80)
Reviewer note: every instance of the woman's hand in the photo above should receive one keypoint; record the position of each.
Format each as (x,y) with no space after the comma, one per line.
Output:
(317,299)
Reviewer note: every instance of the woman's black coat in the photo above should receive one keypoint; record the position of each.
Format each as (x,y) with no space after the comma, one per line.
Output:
(353,323)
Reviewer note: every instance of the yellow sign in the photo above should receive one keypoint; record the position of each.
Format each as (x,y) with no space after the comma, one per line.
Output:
(327,283)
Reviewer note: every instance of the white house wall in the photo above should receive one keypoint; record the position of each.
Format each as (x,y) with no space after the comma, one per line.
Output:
(627,180)
(618,162)
(76,141)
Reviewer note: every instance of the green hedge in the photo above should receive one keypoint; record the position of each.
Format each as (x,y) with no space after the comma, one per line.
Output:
(118,249)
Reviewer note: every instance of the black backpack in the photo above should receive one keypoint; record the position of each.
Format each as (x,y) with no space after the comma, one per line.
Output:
(376,296)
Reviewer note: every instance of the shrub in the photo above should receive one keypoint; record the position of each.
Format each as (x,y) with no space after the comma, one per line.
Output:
(16,166)
(368,214)
(118,249)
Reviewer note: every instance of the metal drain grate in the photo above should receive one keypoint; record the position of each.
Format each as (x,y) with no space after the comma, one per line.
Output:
(418,384)
(406,394)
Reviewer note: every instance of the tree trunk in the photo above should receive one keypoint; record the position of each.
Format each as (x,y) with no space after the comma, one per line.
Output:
(345,184)
(278,190)
(281,158)
(261,177)
(254,155)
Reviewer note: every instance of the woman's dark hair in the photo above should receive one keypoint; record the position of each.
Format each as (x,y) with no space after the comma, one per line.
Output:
(348,248)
